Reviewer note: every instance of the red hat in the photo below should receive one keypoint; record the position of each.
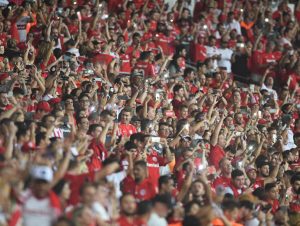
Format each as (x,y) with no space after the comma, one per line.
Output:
(4,76)
(54,101)
(28,146)
(44,106)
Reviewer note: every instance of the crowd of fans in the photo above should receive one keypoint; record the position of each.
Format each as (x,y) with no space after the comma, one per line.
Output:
(147,113)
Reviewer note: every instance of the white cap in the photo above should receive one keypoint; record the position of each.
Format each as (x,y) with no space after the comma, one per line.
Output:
(42,173)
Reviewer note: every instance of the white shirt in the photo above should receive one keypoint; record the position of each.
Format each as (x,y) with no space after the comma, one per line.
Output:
(271,91)
(37,212)
(116,179)
(225,60)
(211,51)
(156,220)
(234,25)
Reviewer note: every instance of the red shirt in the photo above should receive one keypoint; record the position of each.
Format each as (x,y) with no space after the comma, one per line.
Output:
(76,181)
(295,203)
(99,155)
(153,163)
(142,191)
(126,130)
(275,205)
(125,63)
(146,67)
(259,182)
(198,52)
(122,221)
(221,180)
(164,42)
(215,155)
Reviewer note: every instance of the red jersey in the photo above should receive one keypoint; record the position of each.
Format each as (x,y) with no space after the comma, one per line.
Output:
(126,130)
(198,52)
(295,203)
(76,181)
(99,155)
(154,161)
(215,155)
(123,221)
(221,180)
(165,43)
(142,191)
(125,63)
(147,68)
(259,182)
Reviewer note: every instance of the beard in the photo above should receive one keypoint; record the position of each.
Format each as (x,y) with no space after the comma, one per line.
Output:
(128,214)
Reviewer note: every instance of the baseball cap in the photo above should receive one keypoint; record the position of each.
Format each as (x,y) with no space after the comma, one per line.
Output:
(44,106)
(42,173)
(249,168)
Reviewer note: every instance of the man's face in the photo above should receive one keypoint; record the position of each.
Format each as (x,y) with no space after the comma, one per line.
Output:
(252,174)
(84,124)
(239,182)
(296,186)
(180,93)
(221,140)
(125,117)
(164,131)
(40,188)
(273,193)
(265,171)
(69,105)
(96,133)
(139,173)
(128,205)
(7,26)
(88,195)
(184,112)
(198,189)
(226,167)
(84,103)
(169,186)
(3,100)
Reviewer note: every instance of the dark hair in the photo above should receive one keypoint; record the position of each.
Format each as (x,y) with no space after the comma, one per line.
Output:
(144,207)
(269,186)
(129,145)
(236,173)
(229,205)
(141,163)
(295,177)
(177,87)
(163,180)
(138,137)
(39,137)
(247,204)
(93,127)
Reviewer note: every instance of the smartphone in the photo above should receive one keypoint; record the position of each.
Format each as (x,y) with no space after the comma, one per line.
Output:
(251,87)
(157,96)
(98,79)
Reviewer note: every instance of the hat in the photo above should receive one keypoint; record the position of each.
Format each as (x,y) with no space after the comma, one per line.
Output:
(249,168)
(44,106)
(4,76)
(42,173)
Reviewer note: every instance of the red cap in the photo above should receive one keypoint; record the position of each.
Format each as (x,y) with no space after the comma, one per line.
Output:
(4,76)
(44,106)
